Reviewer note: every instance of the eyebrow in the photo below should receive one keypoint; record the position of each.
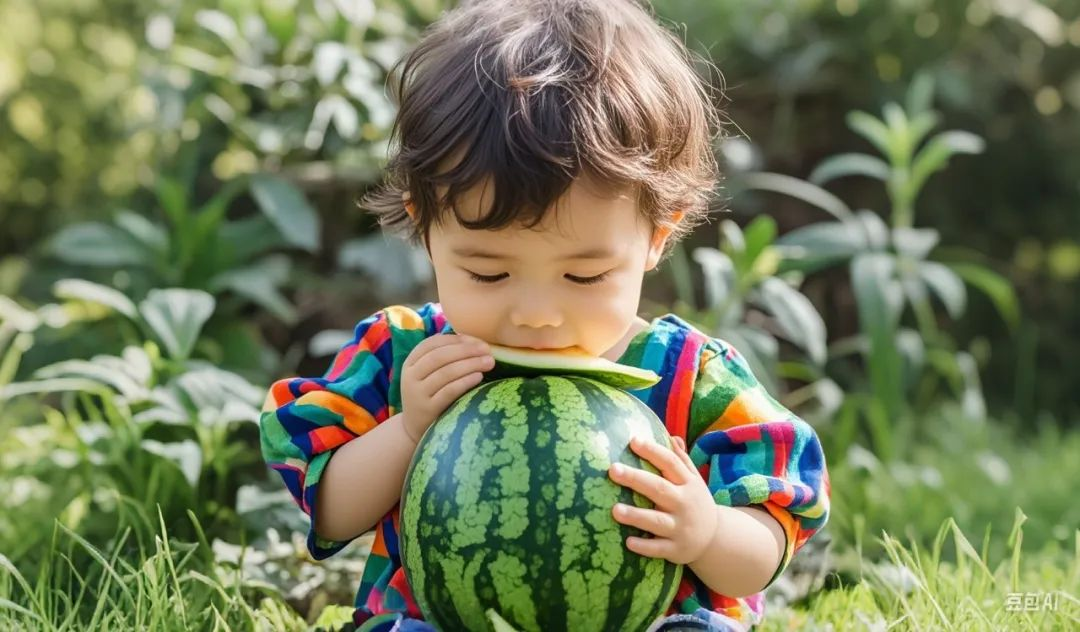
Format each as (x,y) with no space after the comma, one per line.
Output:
(592,253)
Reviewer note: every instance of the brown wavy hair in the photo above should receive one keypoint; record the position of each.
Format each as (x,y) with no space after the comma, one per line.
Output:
(531,94)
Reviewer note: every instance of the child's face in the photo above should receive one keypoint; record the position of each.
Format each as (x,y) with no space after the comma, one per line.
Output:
(539,298)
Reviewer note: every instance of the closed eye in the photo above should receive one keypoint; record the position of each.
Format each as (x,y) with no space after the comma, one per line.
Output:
(481,278)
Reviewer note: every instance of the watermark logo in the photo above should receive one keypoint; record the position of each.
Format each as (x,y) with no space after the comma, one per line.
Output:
(1031,601)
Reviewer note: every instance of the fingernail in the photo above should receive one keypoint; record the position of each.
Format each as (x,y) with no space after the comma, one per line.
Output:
(617,469)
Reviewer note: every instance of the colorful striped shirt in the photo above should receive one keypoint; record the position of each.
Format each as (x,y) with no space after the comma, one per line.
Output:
(749,448)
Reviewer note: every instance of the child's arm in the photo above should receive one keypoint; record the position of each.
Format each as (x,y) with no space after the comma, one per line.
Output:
(339,433)
(759,458)
(746,550)
(305,421)
(437,371)
(380,458)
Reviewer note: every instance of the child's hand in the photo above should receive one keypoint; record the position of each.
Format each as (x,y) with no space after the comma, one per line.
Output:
(439,370)
(685,517)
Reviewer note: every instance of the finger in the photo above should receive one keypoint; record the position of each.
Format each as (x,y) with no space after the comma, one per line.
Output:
(658,523)
(650,547)
(456,369)
(427,345)
(445,354)
(684,455)
(449,393)
(656,488)
(662,458)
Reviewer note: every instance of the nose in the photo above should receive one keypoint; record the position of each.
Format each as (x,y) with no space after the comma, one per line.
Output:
(535,314)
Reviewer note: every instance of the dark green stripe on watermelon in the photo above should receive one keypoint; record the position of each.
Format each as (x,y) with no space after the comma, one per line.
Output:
(507,505)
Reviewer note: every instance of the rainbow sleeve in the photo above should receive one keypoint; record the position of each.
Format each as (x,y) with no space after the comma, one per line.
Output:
(305,420)
(753,450)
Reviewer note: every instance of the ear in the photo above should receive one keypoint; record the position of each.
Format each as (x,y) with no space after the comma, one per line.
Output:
(659,240)
(411,210)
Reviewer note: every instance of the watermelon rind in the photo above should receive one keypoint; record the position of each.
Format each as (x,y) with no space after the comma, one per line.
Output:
(572,361)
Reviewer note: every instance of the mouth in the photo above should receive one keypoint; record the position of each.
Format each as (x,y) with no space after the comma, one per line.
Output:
(564,349)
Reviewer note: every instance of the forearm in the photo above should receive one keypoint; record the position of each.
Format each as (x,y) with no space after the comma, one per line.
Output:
(363,480)
(745,552)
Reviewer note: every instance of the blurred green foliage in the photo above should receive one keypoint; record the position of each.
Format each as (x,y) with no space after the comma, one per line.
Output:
(177,219)
(1006,71)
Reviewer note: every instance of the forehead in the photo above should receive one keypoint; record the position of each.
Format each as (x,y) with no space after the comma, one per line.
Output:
(590,213)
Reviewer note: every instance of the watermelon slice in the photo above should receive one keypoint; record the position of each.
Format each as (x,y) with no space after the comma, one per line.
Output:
(525,362)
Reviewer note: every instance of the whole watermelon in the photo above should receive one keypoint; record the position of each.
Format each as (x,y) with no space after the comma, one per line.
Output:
(507,507)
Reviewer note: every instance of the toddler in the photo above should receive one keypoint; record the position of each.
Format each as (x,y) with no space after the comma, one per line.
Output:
(549,154)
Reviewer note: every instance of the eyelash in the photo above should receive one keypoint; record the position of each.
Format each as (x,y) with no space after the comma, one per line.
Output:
(480,278)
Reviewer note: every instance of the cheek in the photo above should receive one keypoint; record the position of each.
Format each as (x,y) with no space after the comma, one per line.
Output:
(468,308)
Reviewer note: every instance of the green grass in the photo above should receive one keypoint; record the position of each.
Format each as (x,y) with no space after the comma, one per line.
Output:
(920,589)
(171,586)
(973,471)
(168,587)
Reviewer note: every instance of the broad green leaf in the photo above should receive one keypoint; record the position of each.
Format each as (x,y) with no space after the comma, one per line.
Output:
(280,21)
(821,245)
(900,144)
(108,370)
(796,188)
(217,396)
(167,408)
(17,316)
(996,287)
(207,221)
(879,299)
(921,126)
(252,498)
(250,237)
(227,385)
(719,275)
(852,164)
(829,396)
(83,290)
(218,23)
(358,12)
(732,240)
(913,351)
(873,227)
(177,316)
(173,200)
(759,235)
(915,242)
(946,285)
(142,230)
(872,129)
(346,120)
(260,283)
(795,314)
(758,348)
(767,263)
(328,60)
(971,399)
(920,93)
(185,454)
(288,209)
(935,155)
(52,385)
(97,244)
